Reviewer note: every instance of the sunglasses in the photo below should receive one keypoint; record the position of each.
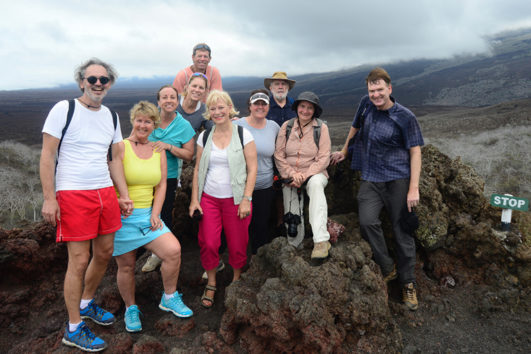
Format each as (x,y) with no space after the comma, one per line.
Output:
(145,230)
(202,46)
(200,74)
(93,79)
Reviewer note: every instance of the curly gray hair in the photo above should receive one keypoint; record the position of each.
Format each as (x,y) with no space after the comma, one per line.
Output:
(79,74)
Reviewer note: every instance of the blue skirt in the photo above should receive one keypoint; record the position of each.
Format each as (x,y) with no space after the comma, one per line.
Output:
(136,232)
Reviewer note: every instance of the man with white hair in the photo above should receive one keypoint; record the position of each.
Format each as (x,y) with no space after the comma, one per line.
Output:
(280,103)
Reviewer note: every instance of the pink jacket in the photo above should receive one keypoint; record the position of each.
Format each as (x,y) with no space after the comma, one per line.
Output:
(302,155)
(212,73)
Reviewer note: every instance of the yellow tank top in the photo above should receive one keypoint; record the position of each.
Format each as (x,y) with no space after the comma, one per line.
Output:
(141,176)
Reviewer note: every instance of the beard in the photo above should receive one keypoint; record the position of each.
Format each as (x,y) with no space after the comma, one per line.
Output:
(280,96)
(93,97)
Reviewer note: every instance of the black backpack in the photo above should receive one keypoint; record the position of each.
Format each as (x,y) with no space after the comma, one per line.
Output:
(316,130)
(207,133)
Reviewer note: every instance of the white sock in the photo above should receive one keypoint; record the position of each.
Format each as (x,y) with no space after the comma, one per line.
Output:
(73,326)
(167,297)
(84,303)
(155,256)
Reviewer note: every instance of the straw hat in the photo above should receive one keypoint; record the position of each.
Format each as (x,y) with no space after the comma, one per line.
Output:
(279,75)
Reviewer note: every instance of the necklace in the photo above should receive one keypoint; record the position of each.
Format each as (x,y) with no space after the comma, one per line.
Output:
(87,105)
(301,134)
(138,142)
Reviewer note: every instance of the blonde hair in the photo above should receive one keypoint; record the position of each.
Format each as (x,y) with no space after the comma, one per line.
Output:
(213,98)
(146,108)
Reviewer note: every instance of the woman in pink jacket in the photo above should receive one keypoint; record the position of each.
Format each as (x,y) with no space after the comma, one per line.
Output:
(302,154)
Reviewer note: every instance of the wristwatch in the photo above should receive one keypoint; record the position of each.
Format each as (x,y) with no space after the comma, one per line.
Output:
(248,198)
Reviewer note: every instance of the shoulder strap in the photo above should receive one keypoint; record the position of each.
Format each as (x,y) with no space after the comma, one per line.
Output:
(211,73)
(289,126)
(208,130)
(185,77)
(205,135)
(317,131)
(240,134)
(69,115)
(115,123)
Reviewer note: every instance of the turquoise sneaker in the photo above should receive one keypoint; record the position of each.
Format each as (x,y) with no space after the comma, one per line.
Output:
(83,339)
(132,319)
(176,306)
(97,314)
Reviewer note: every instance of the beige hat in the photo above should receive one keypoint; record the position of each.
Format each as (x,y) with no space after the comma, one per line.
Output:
(279,75)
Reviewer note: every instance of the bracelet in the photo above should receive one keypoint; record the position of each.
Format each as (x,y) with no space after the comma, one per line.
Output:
(171,147)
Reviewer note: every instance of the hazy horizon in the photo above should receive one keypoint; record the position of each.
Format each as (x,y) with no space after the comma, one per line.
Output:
(42,43)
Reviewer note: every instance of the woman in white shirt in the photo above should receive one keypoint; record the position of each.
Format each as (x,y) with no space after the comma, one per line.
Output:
(224,178)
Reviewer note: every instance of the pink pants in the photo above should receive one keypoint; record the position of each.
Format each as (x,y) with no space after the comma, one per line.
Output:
(218,213)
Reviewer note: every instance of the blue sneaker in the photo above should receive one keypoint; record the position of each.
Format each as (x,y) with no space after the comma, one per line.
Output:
(83,339)
(132,319)
(97,314)
(176,306)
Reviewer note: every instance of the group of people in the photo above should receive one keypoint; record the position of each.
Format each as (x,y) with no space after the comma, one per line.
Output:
(110,196)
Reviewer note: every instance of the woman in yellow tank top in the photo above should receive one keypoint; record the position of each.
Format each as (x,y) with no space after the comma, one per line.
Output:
(145,174)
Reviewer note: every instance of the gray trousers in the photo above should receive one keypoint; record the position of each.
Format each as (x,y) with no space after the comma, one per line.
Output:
(372,196)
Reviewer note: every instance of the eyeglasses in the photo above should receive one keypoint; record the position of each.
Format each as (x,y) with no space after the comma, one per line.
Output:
(93,79)
(145,230)
(200,74)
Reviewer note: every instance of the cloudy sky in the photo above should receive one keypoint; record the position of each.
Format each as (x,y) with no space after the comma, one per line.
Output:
(41,42)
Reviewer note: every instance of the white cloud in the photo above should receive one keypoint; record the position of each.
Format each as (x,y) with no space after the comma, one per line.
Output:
(42,42)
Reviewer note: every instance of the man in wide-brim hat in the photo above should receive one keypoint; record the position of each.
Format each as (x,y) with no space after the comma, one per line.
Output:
(280,104)
(280,111)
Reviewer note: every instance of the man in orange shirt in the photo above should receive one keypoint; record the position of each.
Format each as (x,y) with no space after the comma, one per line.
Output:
(201,57)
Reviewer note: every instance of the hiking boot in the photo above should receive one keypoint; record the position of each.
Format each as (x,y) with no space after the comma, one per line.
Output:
(176,306)
(97,314)
(152,263)
(409,296)
(83,339)
(320,250)
(219,268)
(132,319)
(392,275)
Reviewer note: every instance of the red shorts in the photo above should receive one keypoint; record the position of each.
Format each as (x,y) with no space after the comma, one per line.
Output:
(85,214)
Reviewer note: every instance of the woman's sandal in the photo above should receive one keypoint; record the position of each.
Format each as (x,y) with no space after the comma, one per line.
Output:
(208,298)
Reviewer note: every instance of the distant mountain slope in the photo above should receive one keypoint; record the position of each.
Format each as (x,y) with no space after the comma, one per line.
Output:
(503,74)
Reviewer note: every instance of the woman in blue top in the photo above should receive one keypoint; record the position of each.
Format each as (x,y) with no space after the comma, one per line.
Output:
(264,132)
(175,136)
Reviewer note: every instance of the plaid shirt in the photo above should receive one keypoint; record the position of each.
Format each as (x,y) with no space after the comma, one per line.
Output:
(386,137)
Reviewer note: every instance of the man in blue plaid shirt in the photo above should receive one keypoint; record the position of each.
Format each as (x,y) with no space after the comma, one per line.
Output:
(387,141)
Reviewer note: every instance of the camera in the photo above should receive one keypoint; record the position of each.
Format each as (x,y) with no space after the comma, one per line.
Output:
(197,216)
(278,182)
(292,221)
